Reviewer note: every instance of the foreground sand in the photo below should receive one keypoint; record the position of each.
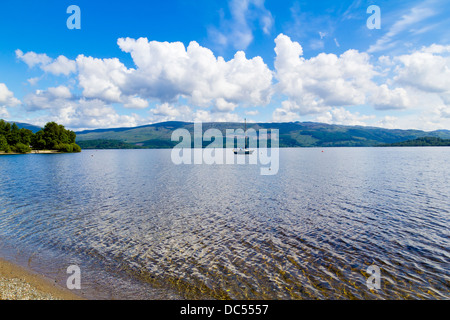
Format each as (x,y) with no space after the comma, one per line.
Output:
(17,283)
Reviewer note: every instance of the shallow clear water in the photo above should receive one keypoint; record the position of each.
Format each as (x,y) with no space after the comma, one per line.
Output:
(141,227)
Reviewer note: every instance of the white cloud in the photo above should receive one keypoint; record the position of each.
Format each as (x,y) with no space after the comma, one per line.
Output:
(61,65)
(342,116)
(7,98)
(32,59)
(237,31)
(325,81)
(4,114)
(388,122)
(444,111)
(322,81)
(336,43)
(101,78)
(52,98)
(287,112)
(96,114)
(166,109)
(77,113)
(425,70)
(207,116)
(33,81)
(191,83)
(282,115)
(223,106)
(170,112)
(383,98)
(58,66)
(252,113)
(168,71)
(60,92)
(135,102)
(413,17)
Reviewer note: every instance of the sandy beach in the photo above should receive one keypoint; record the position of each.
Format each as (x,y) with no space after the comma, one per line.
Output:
(17,283)
(32,152)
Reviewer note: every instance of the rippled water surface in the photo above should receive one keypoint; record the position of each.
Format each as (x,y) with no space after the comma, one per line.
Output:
(141,227)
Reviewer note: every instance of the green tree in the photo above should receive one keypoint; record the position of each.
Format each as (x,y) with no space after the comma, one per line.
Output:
(21,148)
(3,130)
(14,135)
(25,136)
(4,144)
(37,140)
(55,137)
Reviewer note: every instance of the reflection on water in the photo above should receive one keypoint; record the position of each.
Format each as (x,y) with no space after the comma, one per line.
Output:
(141,227)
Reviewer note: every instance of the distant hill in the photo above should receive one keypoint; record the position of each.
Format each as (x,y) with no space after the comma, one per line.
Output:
(26,126)
(293,134)
(421,142)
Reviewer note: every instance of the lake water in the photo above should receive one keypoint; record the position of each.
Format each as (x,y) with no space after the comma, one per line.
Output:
(141,227)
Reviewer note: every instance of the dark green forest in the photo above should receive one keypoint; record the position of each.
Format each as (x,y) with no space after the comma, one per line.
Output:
(52,137)
(421,142)
(106,144)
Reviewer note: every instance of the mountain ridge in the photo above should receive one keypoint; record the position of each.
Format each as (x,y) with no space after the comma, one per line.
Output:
(292,134)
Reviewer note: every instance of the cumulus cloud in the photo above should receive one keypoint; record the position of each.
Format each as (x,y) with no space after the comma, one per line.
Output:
(328,81)
(4,113)
(223,106)
(101,78)
(168,112)
(191,83)
(52,98)
(164,72)
(284,115)
(207,116)
(7,98)
(388,122)
(344,117)
(383,98)
(84,113)
(59,66)
(325,80)
(168,71)
(76,112)
(426,70)
(32,59)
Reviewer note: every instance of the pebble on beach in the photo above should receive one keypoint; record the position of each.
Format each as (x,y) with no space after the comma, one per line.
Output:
(19,289)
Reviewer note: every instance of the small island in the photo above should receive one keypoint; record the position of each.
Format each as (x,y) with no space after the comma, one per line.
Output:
(53,138)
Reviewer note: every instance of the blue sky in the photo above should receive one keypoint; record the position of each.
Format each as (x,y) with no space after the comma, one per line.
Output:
(138,62)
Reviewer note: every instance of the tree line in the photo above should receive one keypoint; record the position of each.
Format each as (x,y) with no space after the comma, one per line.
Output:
(421,142)
(52,137)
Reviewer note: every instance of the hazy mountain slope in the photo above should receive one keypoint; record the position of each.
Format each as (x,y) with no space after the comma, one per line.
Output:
(298,134)
(26,126)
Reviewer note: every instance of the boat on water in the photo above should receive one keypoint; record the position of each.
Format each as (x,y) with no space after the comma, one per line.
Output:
(244,150)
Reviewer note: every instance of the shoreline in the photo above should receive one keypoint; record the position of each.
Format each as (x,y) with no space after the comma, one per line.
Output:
(18,283)
(32,152)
